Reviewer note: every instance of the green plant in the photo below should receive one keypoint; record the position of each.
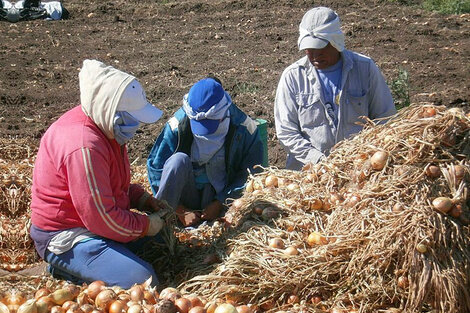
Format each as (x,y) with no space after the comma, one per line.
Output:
(400,88)
(244,87)
(447,6)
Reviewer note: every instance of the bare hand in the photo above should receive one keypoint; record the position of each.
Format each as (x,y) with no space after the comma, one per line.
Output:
(187,217)
(153,205)
(212,210)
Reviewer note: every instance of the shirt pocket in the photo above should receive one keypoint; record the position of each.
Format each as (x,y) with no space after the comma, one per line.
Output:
(357,106)
(311,111)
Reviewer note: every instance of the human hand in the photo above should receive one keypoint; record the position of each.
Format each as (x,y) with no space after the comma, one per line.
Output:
(186,217)
(212,210)
(155,224)
(152,204)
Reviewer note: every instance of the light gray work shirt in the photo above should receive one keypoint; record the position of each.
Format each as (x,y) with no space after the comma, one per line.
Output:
(303,125)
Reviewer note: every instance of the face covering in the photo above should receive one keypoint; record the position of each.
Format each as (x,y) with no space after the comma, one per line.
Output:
(204,147)
(125,126)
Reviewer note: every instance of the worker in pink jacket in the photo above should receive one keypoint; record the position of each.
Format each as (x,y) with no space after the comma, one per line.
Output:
(82,224)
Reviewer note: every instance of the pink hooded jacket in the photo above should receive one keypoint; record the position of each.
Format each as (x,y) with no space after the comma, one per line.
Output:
(81,176)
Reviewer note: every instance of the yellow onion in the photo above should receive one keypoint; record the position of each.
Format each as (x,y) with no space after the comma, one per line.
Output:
(271,181)
(442,204)
(456,211)
(41,292)
(183,305)
(44,304)
(135,308)
(74,289)
(429,111)
(70,304)
(195,301)
(316,204)
(433,171)
(459,172)
(61,295)
(211,306)
(117,306)
(244,309)
(83,298)
(316,238)
(276,243)
(403,282)
(149,297)
(104,299)
(86,308)
(225,308)
(421,248)
(4,308)
(28,307)
(165,306)
(170,293)
(378,160)
(293,299)
(137,293)
(291,251)
(95,288)
(57,309)
(197,309)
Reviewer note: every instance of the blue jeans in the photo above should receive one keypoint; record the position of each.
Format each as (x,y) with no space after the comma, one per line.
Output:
(178,186)
(102,259)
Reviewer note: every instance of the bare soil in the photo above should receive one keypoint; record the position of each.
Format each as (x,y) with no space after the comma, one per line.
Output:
(169,45)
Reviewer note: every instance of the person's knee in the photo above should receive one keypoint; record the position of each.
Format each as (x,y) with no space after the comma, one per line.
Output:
(138,275)
(178,161)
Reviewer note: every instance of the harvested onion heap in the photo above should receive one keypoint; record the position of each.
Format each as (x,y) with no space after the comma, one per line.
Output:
(97,298)
(381,223)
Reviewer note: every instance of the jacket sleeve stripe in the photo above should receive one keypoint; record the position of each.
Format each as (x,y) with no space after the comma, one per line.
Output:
(98,201)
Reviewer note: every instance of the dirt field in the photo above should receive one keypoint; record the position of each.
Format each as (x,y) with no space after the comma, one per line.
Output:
(168,45)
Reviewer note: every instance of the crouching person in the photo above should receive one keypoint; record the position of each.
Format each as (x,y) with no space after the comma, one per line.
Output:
(82,224)
(203,154)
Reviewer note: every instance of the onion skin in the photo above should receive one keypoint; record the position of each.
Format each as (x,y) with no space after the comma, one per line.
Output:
(28,307)
(95,288)
(433,171)
(315,238)
(378,160)
(61,295)
(104,299)
(244,309)
(197,309)
(271,181)
(183,305)
(291,251)
(421,248)
(225,308)
(442,204)
(276,243)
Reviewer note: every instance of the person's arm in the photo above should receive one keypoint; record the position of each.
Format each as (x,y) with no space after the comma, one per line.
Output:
(88,175)
(288,124)
(381,102)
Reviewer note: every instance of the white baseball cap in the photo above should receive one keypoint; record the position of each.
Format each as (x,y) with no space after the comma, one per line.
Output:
(134,101)
(314,18)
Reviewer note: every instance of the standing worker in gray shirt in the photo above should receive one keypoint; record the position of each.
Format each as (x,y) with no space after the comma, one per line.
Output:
(320,98)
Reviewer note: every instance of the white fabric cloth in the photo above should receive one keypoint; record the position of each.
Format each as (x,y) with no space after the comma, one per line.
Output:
(101,87)
(330,32)
(216,112)
(66,239)
(205,147)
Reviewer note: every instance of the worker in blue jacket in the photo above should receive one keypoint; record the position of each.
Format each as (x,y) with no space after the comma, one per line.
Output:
(204,154)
